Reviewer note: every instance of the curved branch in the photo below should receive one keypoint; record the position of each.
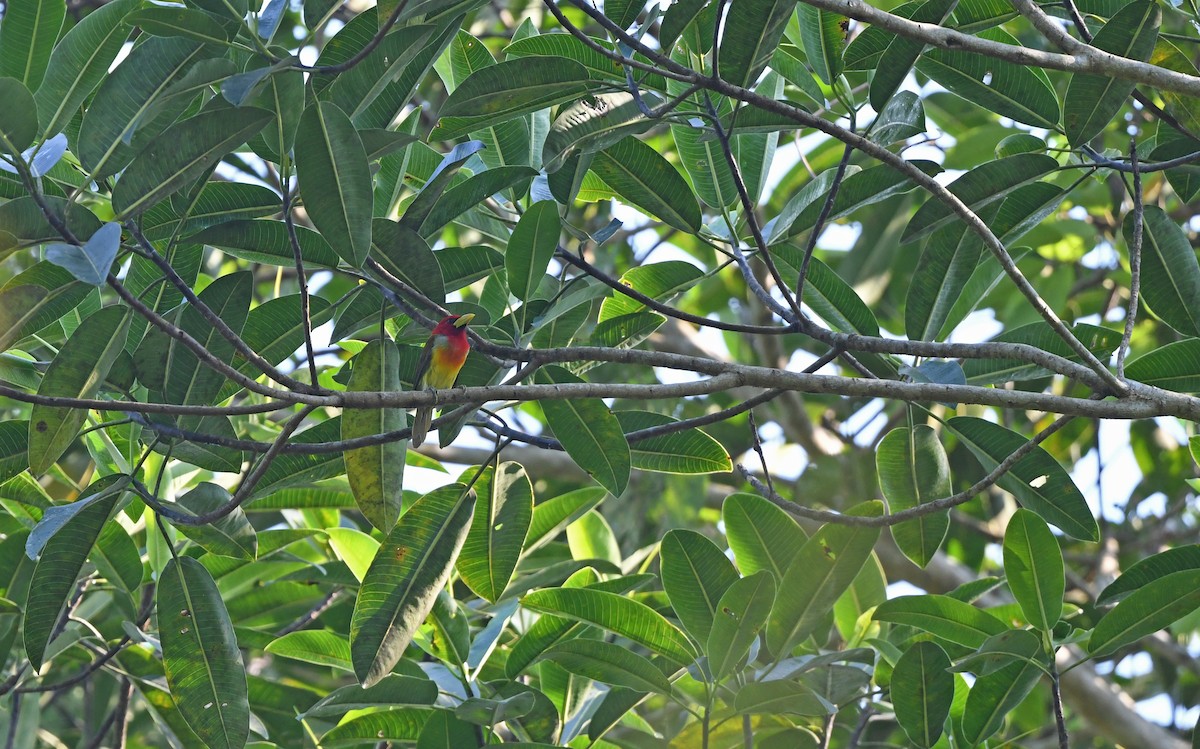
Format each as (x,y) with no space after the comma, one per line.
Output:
(673,70)
(1082,58)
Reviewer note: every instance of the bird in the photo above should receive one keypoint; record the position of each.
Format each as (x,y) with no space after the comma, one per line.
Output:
(438,367)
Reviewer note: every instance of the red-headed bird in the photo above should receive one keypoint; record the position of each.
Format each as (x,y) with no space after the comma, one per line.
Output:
(442,358)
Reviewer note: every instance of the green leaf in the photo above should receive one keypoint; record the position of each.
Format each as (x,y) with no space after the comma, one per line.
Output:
(552,516)
(18,119)
(444,730)
(298,470)
(117,558)
(599,67)
(394,689)
(183,153)
(1175,366)
(512,88)
(1037,480)
(594,123)
(780,696)
(1147,570)
(1033,565)
(859,190)
(623,616)
(740,616)
(695,574)
(1000,650)
(132,94)
(335,181)
(27,38)
(753,29)
(864,51)
(610,664)
(181,22)
(1154,606)
(472,191)
(1012,90)
(14,448)
(926,690)
(431,193)
(592,538)
(356,90)
(761,535)
(978,188)
(19,306)
(660,281)
(948,618)
(200,655)
(685,452)
(589,433)
(58,567)
(401,725)
(818,574)
(994,696)
(498,529)
(623,12)
(275,329)
(829,295)
(900,119)
(1093,101)
(530,248)
(412,566)
(188,381)
(217,203)
(913,470)
(76,372)
(678,16)
(54,517)
(946,265)
(1170,272)
(321,647)
(266,241)
(812,194)
(230,536)
(376,473)
(353,547)
(547,630)
(702,157)
(824,41)
(642,177)
(897,60)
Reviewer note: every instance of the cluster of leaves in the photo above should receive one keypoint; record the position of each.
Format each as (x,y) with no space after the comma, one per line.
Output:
(207,533)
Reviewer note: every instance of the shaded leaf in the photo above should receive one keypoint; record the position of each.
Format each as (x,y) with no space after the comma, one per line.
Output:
(200,655)
(376,473)
(410,569)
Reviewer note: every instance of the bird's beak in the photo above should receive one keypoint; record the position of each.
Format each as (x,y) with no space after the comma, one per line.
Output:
(465,320)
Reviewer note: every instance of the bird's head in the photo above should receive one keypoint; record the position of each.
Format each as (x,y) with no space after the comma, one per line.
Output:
(453,324)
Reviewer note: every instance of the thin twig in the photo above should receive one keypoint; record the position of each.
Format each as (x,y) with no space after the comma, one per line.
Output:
(1064,740)
(1135,260)
(213,319)
(362,54)
(757,442)
(811,245)
(305,303)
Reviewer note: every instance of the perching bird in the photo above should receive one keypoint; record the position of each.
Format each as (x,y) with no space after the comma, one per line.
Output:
(442,358)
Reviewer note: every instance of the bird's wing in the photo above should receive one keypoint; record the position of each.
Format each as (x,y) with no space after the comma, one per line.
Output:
(423,363)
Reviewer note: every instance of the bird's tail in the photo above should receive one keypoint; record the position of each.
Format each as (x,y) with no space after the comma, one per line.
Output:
(420,425)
